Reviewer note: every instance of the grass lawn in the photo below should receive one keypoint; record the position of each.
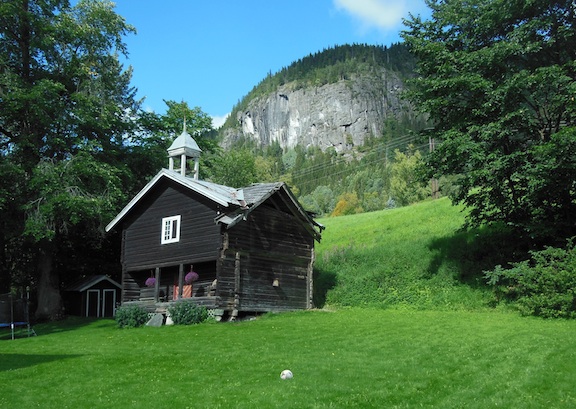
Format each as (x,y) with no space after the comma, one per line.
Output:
(354,357)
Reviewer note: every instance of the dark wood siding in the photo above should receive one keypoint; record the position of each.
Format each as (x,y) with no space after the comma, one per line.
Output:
(199,235)
(271,245)
(226,290)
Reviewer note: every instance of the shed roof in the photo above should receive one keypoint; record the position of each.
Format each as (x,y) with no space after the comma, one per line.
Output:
(86,283)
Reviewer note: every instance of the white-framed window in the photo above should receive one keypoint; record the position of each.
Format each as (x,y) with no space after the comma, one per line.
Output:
(171,229)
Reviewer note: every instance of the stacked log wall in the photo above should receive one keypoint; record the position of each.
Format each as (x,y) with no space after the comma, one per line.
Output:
(274,253)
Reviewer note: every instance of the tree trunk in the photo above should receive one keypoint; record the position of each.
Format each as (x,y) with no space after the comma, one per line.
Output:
(49,298)
(5,279)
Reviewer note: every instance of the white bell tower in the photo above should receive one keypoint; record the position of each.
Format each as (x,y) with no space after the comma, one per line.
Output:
(186,148)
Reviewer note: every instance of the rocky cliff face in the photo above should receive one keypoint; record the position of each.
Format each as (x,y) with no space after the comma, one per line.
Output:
(340,115)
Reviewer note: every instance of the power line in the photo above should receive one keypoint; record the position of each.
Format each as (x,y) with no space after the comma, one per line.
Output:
(360,167)
(397,142)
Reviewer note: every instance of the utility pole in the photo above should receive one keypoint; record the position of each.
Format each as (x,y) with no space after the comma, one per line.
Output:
(433,181)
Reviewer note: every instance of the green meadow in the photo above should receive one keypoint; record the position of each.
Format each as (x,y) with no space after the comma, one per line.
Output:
(407,323)
(351,357)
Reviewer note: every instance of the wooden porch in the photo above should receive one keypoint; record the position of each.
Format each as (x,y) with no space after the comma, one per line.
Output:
(166,292)
(153,306)
(166,284)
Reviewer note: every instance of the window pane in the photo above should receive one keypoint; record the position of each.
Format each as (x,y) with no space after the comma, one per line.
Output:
(174,229)
(167,230)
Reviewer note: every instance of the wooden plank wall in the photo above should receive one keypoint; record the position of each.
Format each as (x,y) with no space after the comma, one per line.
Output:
(272,245)
(130,288)
(226,278)
(199,235)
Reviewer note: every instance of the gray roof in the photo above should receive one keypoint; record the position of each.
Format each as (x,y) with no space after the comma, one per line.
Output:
(237,203)
(88,282)
(184,144)
(223,195)
(255,193)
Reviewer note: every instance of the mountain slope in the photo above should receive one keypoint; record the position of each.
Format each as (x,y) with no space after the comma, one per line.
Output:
(337,98)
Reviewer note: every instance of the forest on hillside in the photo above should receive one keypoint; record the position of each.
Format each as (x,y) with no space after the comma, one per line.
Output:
(385,172)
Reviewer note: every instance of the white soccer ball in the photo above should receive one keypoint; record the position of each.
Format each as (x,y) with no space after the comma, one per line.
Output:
(286,374)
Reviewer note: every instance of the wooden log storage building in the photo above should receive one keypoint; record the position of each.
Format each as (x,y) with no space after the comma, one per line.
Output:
(252,248)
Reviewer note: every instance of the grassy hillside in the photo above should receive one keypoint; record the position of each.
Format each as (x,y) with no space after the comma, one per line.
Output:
(412,257)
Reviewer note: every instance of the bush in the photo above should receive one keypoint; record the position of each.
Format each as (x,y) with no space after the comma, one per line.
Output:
(544,286)
(131,316)
(348,203)
(185,313)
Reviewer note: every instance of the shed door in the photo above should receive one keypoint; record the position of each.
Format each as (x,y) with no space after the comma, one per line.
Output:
(108,303)
(93,303)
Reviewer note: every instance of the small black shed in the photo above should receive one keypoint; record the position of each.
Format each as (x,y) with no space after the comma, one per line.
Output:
(94,296)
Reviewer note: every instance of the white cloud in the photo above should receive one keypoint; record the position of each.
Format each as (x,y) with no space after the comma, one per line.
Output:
(381,14)
(218,121)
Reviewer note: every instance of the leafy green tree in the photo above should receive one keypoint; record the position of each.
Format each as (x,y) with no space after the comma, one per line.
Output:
(263,167)
(498,79)
(65,100)
(197,121)
(235,168)
(325,198)
(406,186)
(274,154)
(543,285)
(11,176)
(75,198)
(289,159)
(321,201)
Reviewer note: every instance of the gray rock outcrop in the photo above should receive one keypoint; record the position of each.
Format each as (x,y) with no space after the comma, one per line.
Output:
(339,115)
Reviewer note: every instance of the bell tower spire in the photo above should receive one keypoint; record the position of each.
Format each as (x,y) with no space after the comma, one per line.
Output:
(184,147)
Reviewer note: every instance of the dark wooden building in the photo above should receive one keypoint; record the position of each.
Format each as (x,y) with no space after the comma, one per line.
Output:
(252,248)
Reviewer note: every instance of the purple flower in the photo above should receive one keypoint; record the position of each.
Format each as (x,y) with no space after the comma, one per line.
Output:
(150,282)
(191,277)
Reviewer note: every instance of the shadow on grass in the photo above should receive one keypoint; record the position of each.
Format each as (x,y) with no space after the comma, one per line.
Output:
(19,332)
(10,362)
(323,282)
(474,251)
(68,324)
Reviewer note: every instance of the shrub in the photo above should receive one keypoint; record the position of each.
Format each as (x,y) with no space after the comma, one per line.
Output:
(348,203)
(544,286)
(131,316)
(185,313)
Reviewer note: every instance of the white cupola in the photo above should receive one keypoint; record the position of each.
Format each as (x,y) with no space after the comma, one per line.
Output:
(184,147)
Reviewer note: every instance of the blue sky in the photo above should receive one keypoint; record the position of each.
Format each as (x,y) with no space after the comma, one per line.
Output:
(211,53)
